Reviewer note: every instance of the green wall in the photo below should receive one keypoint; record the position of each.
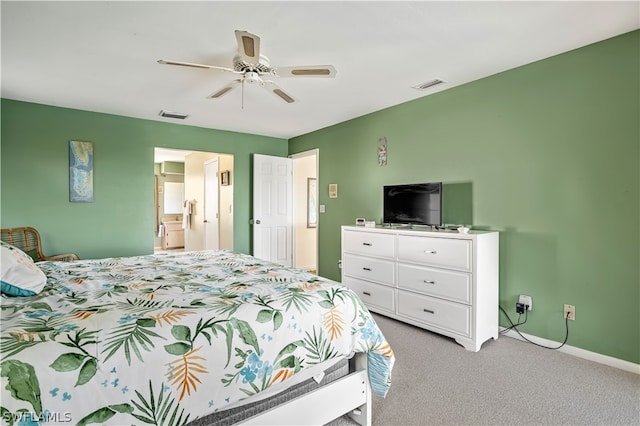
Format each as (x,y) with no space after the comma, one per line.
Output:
(35,176)
(547,154)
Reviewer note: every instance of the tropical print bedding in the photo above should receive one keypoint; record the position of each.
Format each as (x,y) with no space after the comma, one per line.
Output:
(167,338)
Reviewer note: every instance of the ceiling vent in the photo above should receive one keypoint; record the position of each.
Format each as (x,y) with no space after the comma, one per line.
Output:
(169,114)
(428,84)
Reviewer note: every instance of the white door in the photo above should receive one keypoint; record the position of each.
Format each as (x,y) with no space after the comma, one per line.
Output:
(273,208)
(211,221)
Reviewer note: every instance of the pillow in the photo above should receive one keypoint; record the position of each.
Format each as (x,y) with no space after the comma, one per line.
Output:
(20,276)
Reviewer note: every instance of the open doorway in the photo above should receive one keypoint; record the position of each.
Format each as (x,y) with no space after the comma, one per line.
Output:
(305,210)
(186,230)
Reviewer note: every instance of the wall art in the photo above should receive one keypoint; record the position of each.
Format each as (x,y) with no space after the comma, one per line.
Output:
(382,151)
(80,172)
(225,178)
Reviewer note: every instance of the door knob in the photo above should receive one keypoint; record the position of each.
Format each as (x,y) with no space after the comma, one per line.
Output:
(258,222)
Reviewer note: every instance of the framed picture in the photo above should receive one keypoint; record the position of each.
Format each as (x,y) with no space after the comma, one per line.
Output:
(382,151)
(225,177)
(80,172)
(312,190)
(333,190)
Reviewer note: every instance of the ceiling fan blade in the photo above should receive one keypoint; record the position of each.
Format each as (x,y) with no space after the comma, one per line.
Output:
(189,64)
(226,89)
(323,71)
(276,90)
(248,46)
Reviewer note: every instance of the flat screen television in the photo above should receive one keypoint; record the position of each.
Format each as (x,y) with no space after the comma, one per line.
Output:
(413,204)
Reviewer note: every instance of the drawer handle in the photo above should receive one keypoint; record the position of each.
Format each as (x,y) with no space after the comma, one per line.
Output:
(366,293)
(429,311)
(429,282)
(431,252)
(367,269)
(367,244)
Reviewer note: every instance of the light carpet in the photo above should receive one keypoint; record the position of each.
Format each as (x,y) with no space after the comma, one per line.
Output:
(435,381)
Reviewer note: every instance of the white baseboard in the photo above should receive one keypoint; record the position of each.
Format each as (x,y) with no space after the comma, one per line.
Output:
(580,353)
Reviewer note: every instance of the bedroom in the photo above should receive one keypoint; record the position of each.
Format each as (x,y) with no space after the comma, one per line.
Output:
(550,151)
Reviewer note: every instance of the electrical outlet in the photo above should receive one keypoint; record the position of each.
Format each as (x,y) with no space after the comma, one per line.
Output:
(569,312)
(526,301)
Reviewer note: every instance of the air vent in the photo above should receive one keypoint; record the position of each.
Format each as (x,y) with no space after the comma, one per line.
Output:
(170,114)
(428,84)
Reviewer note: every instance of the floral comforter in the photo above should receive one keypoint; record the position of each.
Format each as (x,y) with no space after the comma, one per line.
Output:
(168,338)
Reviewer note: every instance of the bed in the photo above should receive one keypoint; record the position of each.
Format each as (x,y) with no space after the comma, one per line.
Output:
(178,338)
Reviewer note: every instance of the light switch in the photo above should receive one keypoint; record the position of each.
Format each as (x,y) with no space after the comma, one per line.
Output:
(321,208)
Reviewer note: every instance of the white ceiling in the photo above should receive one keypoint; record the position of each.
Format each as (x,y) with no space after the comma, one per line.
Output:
(101,56)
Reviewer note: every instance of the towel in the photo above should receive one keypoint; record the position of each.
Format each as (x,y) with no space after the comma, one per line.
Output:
(186,215)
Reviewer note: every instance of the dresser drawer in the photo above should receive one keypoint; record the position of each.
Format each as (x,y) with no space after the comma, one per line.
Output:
(373,295)
(369,244)
(450,316)
(446,252)
(443,283)
(369,268)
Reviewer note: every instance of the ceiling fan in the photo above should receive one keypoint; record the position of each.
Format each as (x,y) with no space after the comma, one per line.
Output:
(254,68)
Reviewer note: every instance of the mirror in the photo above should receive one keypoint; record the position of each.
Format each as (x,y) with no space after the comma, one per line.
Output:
(173,197)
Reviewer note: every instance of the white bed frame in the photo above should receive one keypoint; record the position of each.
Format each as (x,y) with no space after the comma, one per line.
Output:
(349,395)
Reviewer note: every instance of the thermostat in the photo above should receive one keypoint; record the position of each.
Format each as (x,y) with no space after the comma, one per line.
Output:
(360,221)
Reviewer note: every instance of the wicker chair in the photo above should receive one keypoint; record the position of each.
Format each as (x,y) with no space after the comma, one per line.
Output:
(27,239)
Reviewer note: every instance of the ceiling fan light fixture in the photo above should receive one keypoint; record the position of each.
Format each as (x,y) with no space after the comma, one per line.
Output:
(252,78)
(428,84)
(169,114)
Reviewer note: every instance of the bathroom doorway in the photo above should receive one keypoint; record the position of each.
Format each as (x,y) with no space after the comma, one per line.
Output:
(305,210)
(188,167)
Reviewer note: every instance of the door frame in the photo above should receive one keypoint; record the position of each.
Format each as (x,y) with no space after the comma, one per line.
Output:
(309,153)
(207,201)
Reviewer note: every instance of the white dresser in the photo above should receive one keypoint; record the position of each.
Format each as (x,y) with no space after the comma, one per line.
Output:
(443,281)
